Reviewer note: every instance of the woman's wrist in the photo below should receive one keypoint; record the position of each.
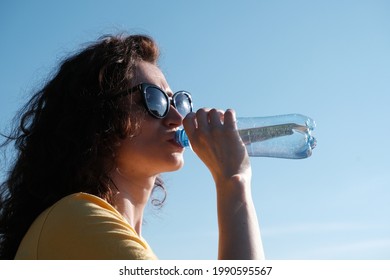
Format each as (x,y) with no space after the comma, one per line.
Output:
(237,186)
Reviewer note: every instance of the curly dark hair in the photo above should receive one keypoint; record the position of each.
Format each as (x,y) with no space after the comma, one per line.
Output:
(67,133)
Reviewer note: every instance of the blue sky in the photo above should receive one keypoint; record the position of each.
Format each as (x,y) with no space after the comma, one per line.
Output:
(325,59)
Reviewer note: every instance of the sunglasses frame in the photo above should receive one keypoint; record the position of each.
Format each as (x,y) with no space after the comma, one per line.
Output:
(170,100)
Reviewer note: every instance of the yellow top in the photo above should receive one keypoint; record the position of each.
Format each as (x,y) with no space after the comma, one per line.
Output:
(82,226)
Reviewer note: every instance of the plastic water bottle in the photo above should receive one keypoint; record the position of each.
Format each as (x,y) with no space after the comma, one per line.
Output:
(284,136)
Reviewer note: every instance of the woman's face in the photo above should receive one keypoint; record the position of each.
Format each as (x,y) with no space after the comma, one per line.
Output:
(153,150)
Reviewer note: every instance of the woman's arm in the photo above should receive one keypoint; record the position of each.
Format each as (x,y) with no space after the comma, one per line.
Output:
(214,138)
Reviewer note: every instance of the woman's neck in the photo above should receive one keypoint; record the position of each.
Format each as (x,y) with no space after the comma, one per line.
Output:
(132,194)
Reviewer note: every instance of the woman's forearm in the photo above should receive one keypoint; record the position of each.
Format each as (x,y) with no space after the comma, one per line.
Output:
(239,232)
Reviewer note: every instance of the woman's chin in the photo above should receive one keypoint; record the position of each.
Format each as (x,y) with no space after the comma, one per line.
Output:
(176,163)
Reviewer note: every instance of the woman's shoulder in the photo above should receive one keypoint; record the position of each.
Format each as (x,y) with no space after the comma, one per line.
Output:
(84,226)
(80,208)
(81,202)
(83,211)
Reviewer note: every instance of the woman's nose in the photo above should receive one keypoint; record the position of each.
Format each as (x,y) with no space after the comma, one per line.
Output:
(173,118)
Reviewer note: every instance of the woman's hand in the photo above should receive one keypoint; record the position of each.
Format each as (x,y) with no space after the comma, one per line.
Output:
(214,138)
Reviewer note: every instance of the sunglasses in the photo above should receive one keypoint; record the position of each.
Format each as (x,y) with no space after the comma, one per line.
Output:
(157,102)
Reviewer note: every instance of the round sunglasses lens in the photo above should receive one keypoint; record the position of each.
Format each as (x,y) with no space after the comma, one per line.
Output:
(183,103)
(156,101)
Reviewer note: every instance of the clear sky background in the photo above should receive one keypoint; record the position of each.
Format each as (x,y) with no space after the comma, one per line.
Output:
(329,60)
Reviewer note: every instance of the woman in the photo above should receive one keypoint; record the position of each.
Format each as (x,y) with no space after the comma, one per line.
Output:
(91,146)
